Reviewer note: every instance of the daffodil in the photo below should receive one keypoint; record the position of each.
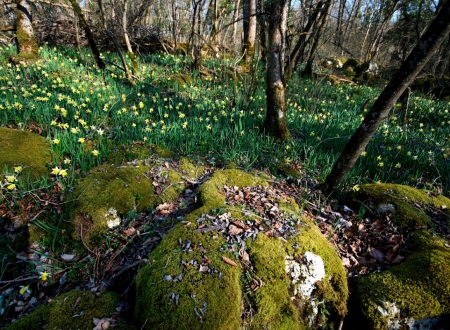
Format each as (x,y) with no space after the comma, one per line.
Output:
(12,186)
(24,289)
(55,170)
(95,153)
(18,169)
(11,178)
(56,141)
(356,188)
(66,161)
(63,173)
(81,140)
(44,276)
(398,165)
(364,153)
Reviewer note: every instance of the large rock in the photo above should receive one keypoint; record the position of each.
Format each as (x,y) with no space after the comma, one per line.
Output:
(208,273)
(109,192)
(416,293)
(28,150)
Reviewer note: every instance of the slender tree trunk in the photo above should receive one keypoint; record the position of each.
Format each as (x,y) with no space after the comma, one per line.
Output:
(134,64)
(113,39)
(317,34)
(249,32)
(235,23)
(262,30)
(430,41)
(89,35)
(26,41)
(275,121)
(299,48)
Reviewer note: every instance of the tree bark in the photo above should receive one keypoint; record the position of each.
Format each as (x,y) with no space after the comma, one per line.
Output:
(275,121)
(89,35)
(26,41)
(249,32)
(430,41)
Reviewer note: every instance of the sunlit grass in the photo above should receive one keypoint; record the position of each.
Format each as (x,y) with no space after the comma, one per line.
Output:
(215,115)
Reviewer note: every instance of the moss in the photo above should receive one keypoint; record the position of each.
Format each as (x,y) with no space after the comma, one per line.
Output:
(332,79)
(164,153)
(76,309)
(419,286)
(210,196)
(20,148)
(404,199)
(220,294)
(109,192)
(334,289)
(351,62)
(181,79)
(274,308)
(72,310)
(124,153)
(189,170)
(36,320)
(272,302)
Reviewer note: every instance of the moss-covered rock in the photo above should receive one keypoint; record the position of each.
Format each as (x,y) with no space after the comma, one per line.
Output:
(72,310)
(405,203)
(175,290)
(28,150)
(109,192)
(415,292)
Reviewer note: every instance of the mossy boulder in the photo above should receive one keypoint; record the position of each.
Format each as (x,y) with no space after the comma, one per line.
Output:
(28,150)
(405,203)
(413,294)
(73,310)
(190,281)
(109,192)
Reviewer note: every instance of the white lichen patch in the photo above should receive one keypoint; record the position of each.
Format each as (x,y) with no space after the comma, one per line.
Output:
(112,219)
(385,208)
(391,311)
(304,276)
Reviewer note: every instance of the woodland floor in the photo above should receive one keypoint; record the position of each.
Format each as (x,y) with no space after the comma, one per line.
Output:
(366,243)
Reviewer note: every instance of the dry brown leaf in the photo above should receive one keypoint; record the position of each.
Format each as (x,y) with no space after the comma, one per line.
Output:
(129,232)
(378,255)
(229,261)
(233,230)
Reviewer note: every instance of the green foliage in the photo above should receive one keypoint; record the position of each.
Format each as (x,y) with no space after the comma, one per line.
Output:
(217,117)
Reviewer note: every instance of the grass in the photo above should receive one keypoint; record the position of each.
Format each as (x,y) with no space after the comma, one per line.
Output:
(84,113)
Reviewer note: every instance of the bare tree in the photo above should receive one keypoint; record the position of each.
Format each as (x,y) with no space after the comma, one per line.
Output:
(89,35)
(429,42)
(275,121)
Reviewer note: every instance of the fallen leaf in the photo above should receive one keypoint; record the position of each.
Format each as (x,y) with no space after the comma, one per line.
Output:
(233,230)
(376,254)
(130,231)
(229,261)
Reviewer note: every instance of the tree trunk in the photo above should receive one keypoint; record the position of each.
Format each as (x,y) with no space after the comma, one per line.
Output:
(134,64)
(437,31)
(249,32)
(275,121)
(89,35)
(262,30)
(235,18)
(26,41)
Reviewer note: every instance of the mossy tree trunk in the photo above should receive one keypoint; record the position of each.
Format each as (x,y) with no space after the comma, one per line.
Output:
(430,41)
(26,42)
(275,121)
(89,35)
(249,21)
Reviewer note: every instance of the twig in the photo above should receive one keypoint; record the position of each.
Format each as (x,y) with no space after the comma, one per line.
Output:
(81,237)
(20,280)
(128,267)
